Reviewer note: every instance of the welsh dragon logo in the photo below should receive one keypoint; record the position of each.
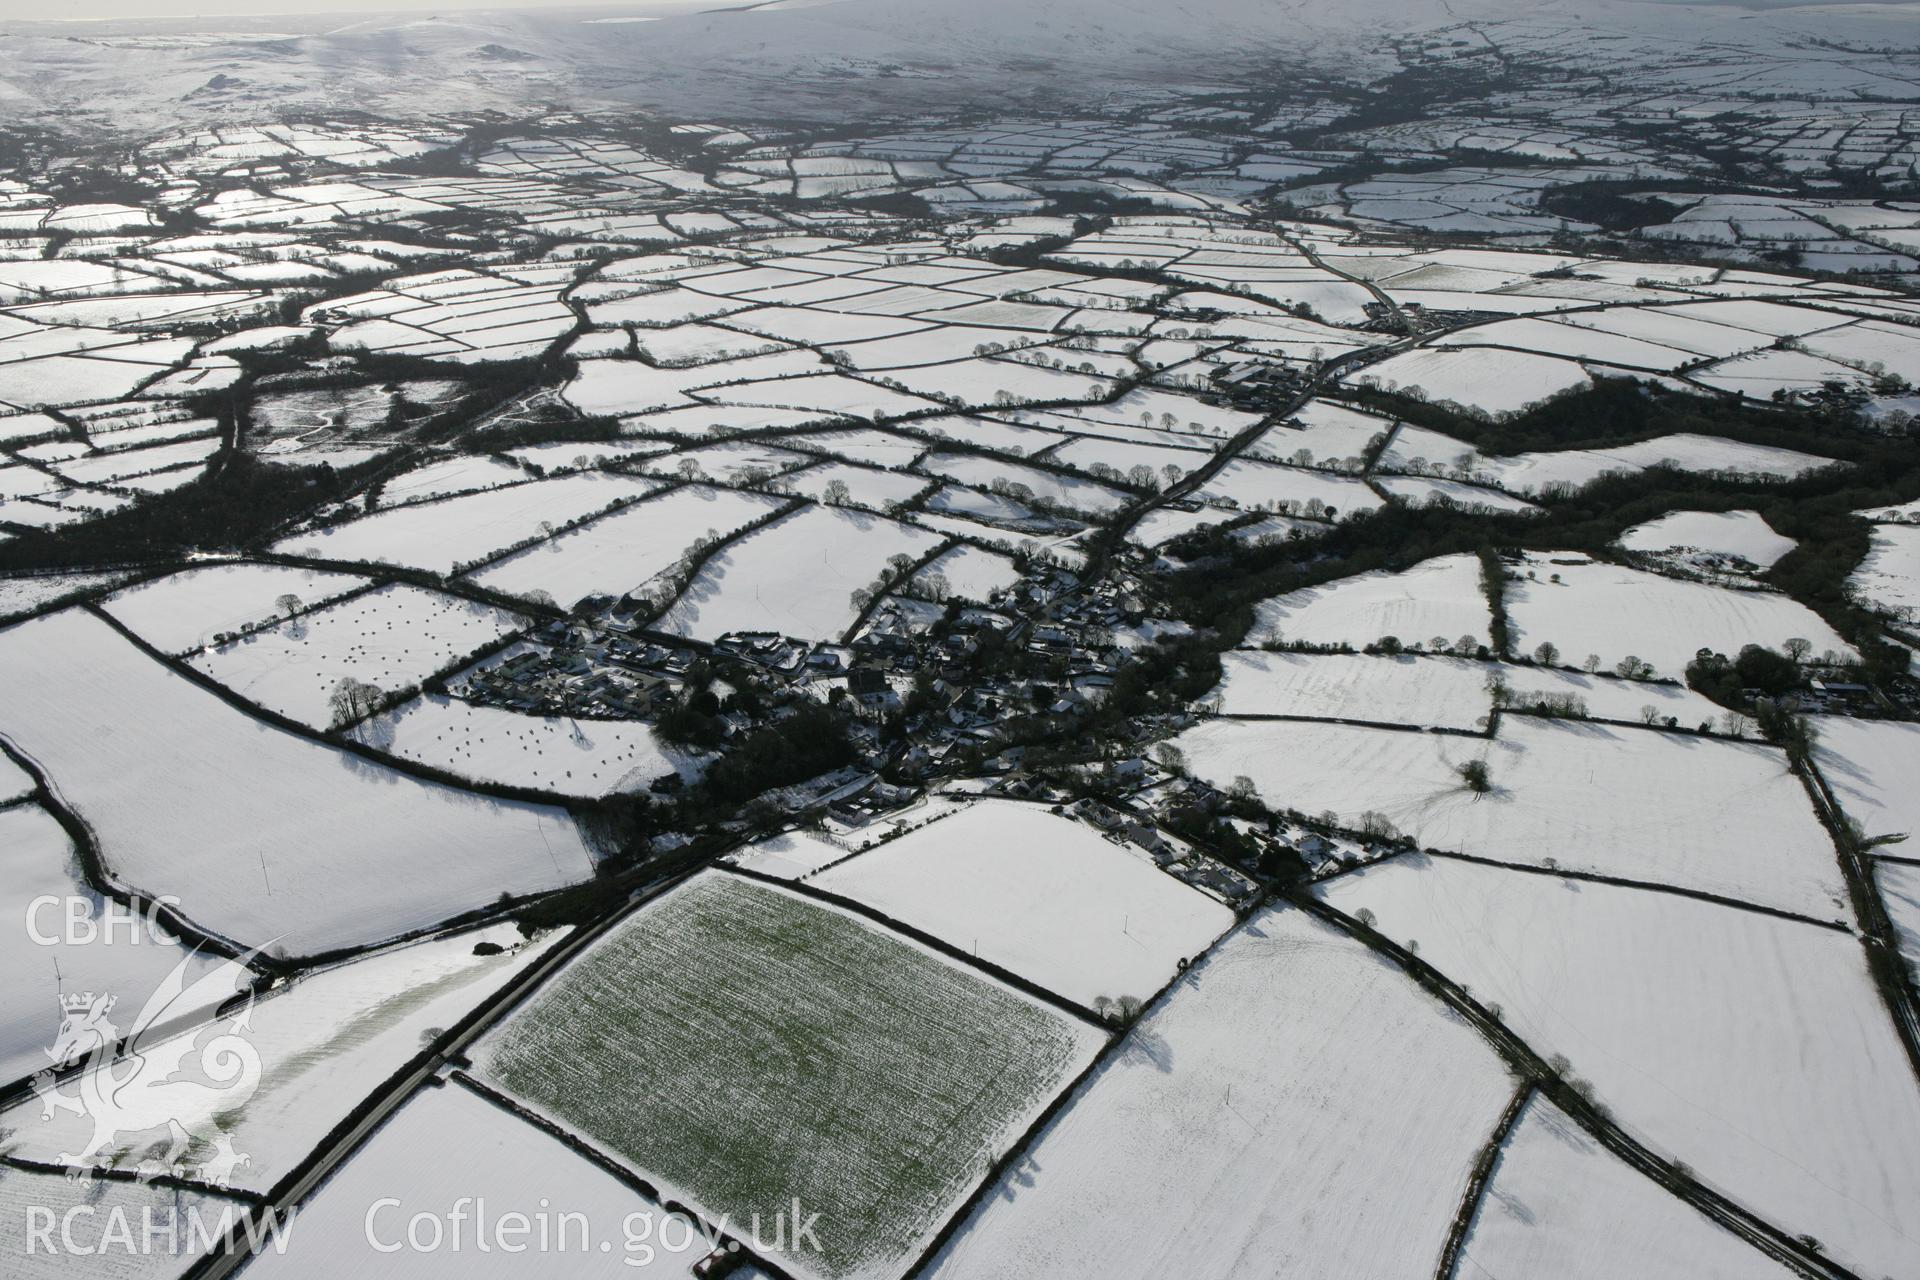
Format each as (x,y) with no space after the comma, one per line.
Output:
(163,1095)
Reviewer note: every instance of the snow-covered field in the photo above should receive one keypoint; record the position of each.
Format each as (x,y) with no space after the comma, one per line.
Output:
(1043,896)
(1438,597)
(1488,380)
(261,834)
(1253,485)
(40,872)
(185,611)
(1871,766)
(967,572)
(1070,492)
(1754,1049)
(392,638)
(1445,692)
(92,1207)
(1722,817)
(1267,1119)
(1535,472)
(1609,697)
(1725,533)
(1899,885)
(444,536)
(1560,1204)
(741,1045)
(795,576)
(23,595)
(1615,612)
(559,754)
(618,552)
(450,1146)
(324,1042)
(1889,578)
(792,855)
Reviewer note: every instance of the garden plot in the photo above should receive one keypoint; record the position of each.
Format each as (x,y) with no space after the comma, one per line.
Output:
(1870,765)
(1614,612)
(1438,597)
(560,755)
(185,611)
(1888,579)
(618,553)
(1042,896)
(446,537)
(39,865)
(1273,1074)
(325,1041)
(1560,1204)
(1687,534)
(795,576)
(965,573)
(391,638)
(1448,693)
(1754,1049)
(865,1075)
(261,834)
(449,1146)
(1703,814)
(1026,484)
(1257,486)
(1485,380)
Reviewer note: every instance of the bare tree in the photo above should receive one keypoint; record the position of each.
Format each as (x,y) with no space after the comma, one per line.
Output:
(353,700)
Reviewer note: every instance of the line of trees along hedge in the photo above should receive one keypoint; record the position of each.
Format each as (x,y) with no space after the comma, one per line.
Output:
(239,500)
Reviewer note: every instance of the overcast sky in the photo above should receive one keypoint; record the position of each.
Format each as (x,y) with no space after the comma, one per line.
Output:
(44,10)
